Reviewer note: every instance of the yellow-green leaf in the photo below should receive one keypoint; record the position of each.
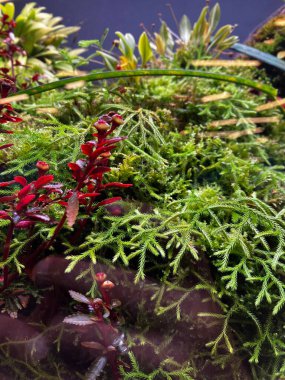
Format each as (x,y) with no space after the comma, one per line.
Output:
(144,48)
(9,10)
(160,44)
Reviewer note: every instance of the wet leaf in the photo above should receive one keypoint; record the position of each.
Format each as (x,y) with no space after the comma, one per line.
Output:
(78,320)
(79,297)
(72,209)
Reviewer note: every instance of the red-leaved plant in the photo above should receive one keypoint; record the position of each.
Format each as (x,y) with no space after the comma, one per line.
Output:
(9,53)
(101,313)
(30,204)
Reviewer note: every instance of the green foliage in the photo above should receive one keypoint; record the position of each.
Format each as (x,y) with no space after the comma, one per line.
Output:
(200,191)
(270,38)
(144,48)
(203,39)
(160,373)
(41,35)
(166,48)
(8,9)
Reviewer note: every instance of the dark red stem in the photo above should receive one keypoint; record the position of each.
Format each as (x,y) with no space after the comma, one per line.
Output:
(6,252)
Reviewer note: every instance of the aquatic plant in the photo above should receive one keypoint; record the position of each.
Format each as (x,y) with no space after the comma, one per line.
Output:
(103,316)
(203,221)
(10,54)
(33,203)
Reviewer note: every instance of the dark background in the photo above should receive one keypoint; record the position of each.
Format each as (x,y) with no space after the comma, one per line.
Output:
(126,15)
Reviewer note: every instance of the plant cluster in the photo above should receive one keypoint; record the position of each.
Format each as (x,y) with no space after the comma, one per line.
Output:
(34,201)
(206,163)
(168,48)
(110,342)
(269,38)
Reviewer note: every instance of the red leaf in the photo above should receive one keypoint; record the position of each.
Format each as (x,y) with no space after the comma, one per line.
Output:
(87,149)
(5,130)
(108,201)
(24,224)
(88,195)
(114,140)
(21,180)
(25,201)
(79,297)
(101,150)
(74,167)
(117,184)
(4,215)
(7,198)
(79,320)
(4,184)
(72,209)
(43,198)
(6,146)
(62,203)
(100,170)
(24,191)
(43,180)
(12,119)
(40,217)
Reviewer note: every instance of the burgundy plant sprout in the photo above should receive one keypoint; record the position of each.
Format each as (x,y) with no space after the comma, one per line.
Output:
(103,316)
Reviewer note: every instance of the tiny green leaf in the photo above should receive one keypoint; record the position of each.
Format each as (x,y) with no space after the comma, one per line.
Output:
(214,17)
(185,29)
(87,43)
(144,48)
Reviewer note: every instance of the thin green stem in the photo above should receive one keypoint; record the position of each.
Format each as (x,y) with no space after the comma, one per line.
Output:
(151,72)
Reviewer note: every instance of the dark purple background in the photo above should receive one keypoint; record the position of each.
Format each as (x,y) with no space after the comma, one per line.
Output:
(126,15)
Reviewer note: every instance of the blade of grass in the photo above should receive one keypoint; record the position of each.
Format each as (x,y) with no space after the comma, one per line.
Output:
(151,72)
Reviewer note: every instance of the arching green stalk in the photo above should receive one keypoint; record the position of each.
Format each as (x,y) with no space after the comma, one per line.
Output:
(151,72)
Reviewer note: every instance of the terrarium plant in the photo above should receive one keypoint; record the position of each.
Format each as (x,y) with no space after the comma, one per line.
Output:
(270,38)
(41,36)
(194,250)
(168,48)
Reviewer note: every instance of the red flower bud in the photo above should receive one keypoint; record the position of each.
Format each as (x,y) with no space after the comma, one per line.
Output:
(117,120)
(108,285)
(101,126)
(100,277)
(43,166)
